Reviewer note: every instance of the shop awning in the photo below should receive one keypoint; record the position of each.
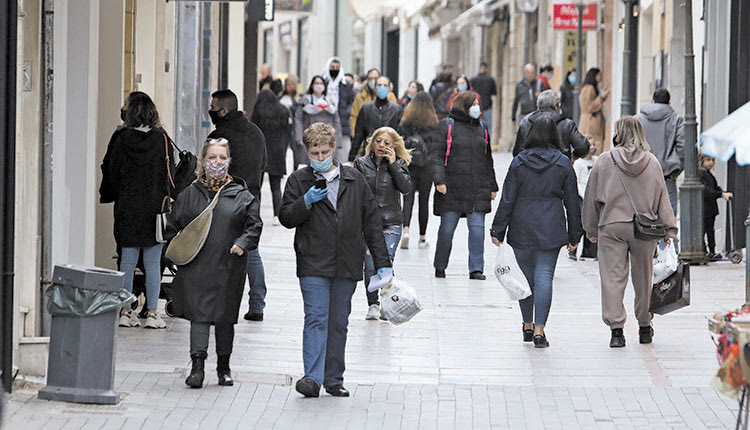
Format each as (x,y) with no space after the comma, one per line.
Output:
(730,136)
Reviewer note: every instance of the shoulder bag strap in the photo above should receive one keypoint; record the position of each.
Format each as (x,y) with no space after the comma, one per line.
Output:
(449,140)
(166,153)
(619,175)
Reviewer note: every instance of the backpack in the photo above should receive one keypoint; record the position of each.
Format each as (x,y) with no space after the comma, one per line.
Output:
(419,151)
(449,138)
(184,172)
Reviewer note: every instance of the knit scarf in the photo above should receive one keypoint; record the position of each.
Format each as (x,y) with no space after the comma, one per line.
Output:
(215,184)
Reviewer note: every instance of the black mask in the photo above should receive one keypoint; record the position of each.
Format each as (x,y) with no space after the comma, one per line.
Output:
(214,114)
(122,114)
(334,73)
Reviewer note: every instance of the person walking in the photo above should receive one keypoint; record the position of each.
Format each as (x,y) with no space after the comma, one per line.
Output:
(289,100)
(582,167)
(711,192)
(379,113)
(136,178)
(341,92)
(567,94)
(464,176)
(441,89)
(266,81)
(592,101)
(273,120)
(543,78)
(462,84)
(625,181)
(385,168)
(540,183)
(664,131)
(418,128)
(548,104)
(248,148)
(411,92)
(333,226)
(208,290)
(526,93)
(316,106)
(367,94)
(485,86)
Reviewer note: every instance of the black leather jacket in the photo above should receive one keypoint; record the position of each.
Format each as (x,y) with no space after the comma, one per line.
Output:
(570,137)
(373,116)
(387,182)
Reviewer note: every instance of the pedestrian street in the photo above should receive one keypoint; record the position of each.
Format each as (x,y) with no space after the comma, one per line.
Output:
(460,363)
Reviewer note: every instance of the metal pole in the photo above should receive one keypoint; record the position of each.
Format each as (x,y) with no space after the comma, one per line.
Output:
(579,66)
(526,38)
(47,120)
(250,67)
(691,191)
(629,60)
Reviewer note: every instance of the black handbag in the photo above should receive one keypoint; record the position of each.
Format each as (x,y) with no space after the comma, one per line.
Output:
(644,228)
(672,293)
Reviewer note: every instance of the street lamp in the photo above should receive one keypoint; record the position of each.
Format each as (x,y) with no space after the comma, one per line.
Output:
(630,58)
(579,62)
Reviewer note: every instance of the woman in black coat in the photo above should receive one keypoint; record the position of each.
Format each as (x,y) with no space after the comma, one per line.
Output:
(273,120)
(567,96)
(385,168)
(464,177)
(136,177)
(540,181)
(208,290)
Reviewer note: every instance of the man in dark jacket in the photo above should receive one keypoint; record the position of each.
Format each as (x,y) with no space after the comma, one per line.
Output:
(484,85)
(571,139)
(378,113)
(333,226)
(664,133)
(247,148)
(525,97)
(342,93)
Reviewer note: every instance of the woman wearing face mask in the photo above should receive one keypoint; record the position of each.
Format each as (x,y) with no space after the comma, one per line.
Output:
(135,178)
(411,91)
(385,167)
(379,113)
(566,94)
(316,106)
(208,290)
(592,101)
(464,177)
(462,84)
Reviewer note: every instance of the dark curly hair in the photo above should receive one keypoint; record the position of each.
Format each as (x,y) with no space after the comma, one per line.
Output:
(141,110)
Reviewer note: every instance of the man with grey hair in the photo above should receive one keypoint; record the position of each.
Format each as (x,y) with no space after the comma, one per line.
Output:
(548,103)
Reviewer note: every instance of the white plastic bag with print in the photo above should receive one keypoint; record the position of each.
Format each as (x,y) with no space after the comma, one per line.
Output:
(665,263)
(509,273)
(399,302)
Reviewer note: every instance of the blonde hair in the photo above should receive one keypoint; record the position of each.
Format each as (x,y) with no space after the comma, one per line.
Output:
(630,132)
(199,169)
(397,142)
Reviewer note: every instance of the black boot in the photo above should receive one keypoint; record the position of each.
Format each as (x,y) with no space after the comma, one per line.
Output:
(195,378)
(223,371)
(618,338)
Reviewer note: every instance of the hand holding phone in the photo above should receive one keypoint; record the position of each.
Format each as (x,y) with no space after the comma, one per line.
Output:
(321,184)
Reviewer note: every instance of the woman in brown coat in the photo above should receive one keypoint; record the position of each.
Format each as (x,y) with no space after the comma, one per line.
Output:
(625,180)
(592,103)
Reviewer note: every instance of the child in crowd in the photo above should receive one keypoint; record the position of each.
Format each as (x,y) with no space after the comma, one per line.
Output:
(582,167)
(711,192)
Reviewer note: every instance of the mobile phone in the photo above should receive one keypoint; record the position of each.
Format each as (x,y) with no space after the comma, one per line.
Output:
(321,184)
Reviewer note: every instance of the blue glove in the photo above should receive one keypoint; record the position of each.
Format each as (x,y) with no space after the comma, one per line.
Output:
(315,195)
(385,272)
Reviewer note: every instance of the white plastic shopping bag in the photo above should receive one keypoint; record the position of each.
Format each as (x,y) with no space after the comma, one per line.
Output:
(399,302)
(665,263)
(509,273)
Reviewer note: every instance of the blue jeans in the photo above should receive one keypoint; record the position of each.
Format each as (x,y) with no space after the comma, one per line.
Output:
(539,268)
(256,277)
(392,237)
(328,303)
(448,223)
(152,265)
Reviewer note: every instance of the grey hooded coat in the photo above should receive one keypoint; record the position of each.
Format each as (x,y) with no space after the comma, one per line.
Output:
(665,135)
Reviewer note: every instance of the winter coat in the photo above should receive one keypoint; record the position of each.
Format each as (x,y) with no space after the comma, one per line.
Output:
(484,85)
(665,135)
(276,143)
(308,114)
(467,172)
(420,156)
(209,288)
(331,243)
(539,183)
(570,138)
(134,177)
(372,117)
(567,99)
(711,192)
(269,83)
(453,95)
(525,98)
(364,96)
(591,122)
(607,200)
(247,148)
(387,182)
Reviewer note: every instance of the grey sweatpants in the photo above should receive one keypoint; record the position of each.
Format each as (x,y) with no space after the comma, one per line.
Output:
(619,249)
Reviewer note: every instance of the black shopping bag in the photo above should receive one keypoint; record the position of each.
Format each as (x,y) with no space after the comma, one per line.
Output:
(672,293)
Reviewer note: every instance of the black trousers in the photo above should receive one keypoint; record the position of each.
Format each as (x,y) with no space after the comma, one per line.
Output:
(199,333)
(708,228)
(421,180)
(275,192)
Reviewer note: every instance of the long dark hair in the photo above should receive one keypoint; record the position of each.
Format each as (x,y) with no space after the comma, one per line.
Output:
(591,79)
(141,110)
(567,75)
(312,82)
(463,101)
(420,113)
(268,113)
(543,134)
(468,82)
(420,88)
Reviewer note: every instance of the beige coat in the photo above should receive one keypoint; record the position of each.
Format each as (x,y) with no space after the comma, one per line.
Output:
(591,123)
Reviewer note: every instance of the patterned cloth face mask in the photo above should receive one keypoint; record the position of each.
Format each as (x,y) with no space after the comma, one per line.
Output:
(216,169)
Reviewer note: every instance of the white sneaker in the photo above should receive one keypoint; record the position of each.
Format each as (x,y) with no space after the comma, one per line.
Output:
(373,313)
(154,321)
(129,319)
(423,244)
(276,221)
(405,240)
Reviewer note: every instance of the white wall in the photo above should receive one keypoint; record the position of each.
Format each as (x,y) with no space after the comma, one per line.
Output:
(407,56)
(430,55)
(236,50)
(373,45)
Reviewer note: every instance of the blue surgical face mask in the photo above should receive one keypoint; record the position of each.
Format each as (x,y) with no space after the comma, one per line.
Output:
(322,166)
(371,84)
(572,79)
(462,87)
(411,96)
(382,91)
(475,111)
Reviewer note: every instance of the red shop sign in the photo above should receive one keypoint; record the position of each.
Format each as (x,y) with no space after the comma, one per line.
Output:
(566,17)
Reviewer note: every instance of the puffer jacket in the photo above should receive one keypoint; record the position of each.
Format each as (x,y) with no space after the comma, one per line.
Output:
(307,114)
(665,135)
(570,137)
(388,181)
(373,116)
(467,172)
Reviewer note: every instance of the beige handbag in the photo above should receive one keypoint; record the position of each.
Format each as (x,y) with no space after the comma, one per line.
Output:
(189,241)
